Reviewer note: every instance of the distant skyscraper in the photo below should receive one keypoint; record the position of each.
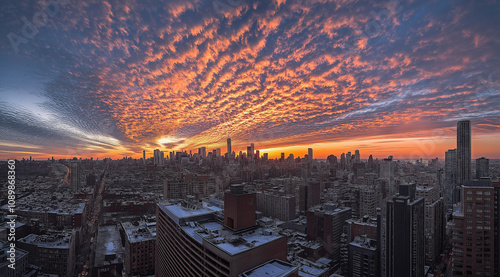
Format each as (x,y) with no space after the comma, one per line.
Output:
(482,168)
(75,174)
(144,156)
(252,149)
(202,151)
(463,151)
(218,152)
(265,156)
(370,163)
(342,161)
(357,156)
(310,154)
(405,248)
(387,170)
(158,157)
(229,151)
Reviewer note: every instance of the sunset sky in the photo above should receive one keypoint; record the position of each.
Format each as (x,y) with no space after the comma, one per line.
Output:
(111,78)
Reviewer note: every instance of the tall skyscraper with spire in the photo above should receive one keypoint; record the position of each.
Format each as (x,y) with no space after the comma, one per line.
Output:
(229,151)
(463,151)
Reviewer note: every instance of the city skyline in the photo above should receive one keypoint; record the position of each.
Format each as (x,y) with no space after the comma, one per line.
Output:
(111,79)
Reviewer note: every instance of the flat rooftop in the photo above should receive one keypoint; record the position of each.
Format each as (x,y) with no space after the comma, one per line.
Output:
(109,247)
(200,224)
(179,213)
(61,240)
(275,268)
(139,231)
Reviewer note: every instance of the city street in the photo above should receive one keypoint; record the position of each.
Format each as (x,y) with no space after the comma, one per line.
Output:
(86,254)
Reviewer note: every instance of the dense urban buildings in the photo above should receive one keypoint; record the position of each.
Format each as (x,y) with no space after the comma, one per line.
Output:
(203,213)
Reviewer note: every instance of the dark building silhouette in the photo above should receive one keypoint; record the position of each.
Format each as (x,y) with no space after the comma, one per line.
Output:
(482,168)
(405,249)
(463,151)
(239,208)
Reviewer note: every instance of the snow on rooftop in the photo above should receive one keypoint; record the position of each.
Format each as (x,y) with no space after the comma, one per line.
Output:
(273,268)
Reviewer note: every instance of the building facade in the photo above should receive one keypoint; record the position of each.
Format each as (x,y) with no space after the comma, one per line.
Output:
(475,231)
(405,249)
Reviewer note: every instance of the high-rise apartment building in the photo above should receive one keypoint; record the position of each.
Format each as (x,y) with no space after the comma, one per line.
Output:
(357,157)
(202,151)
(475,229)
(387,170)
(198,239)
(368,201)
(450,177)
(463,151)
(158,157)
(281,207)
(434,221)
(140,243)
(325,223)
(310,154)
(363,258)
(482,168)
(405,248)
